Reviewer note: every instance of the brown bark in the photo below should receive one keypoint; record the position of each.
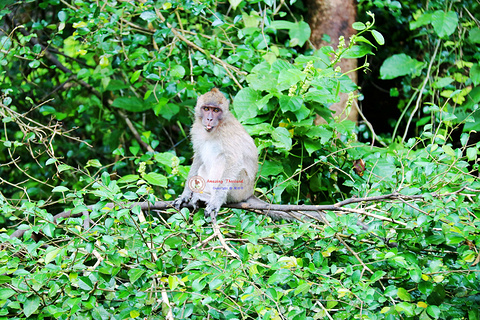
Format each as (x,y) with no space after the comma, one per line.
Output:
(334,18)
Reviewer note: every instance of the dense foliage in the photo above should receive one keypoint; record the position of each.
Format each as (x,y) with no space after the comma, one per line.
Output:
(95,109)
(432,56)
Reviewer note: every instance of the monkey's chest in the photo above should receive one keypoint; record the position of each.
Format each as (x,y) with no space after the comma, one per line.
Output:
(213,161)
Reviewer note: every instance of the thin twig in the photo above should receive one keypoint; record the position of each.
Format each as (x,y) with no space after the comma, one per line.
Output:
(228,67)
(420,94)
(135,132)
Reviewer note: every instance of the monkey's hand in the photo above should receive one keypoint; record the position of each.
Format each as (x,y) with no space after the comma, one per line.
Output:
(182,201)
(212,212)
(188,199)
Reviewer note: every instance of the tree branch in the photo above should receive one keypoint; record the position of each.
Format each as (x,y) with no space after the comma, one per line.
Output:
(298,212)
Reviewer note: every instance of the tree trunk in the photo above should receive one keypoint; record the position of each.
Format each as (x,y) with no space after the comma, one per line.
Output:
(335,18)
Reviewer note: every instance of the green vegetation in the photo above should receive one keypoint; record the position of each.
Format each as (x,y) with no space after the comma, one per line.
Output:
(96,104)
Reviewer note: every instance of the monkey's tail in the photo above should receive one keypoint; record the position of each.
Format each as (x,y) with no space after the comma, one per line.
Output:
(287,215)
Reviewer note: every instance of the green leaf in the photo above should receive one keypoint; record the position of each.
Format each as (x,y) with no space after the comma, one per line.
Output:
(60,189)
(234,3)
(279,276)
(404,295)
(262,81)
(106,178)
(51,255)
(408,308)
(364,40)
(134,314)
(474,35)
(357,51)
(104,62)
(84,73)
(377,275)
(302,288)
(472,153)
(435,239)
(454,238)
(215,284)
(115,85)
(166,110)
(359,26)
(378,37)
(6,293)
(173,242)
(132,104)
(422,20)
(282,138)
(134,274)
(149,16)
(31,305)
(442,82)
(410,191)
(448,150)
(444,22)
(173,282)
(5,279)
(129,178)
(251,21)
(34,64)
(154,77)
(437,296)
(177,72)
(85,283)
(94,163)
(198,284)
(48,229)
(282,24)
(156,179)
(271,168)
(475,74)
(289,77)
(166,158)
(311,146)
(134,77)
(299,34)
(288,103)
(245,104)
(434,311)
(322,132)
(415,275)
(400,65)
(50,161)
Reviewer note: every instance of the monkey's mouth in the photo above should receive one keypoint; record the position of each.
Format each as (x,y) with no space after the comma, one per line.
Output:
(209,128)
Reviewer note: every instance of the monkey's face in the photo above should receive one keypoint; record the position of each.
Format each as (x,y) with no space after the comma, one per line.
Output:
(211,116)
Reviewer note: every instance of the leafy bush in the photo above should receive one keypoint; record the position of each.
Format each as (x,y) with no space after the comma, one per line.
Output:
(434,53)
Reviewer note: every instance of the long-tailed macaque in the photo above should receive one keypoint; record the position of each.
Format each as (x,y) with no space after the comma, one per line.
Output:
(225,160)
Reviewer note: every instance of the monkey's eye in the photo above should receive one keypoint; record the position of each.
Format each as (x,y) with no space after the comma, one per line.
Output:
(216,110)
(206,108)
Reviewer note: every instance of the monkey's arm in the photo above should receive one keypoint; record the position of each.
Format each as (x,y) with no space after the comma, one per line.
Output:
(188,197)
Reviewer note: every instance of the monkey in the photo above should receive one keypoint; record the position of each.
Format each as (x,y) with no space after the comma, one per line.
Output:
(225,161)
(225,157)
